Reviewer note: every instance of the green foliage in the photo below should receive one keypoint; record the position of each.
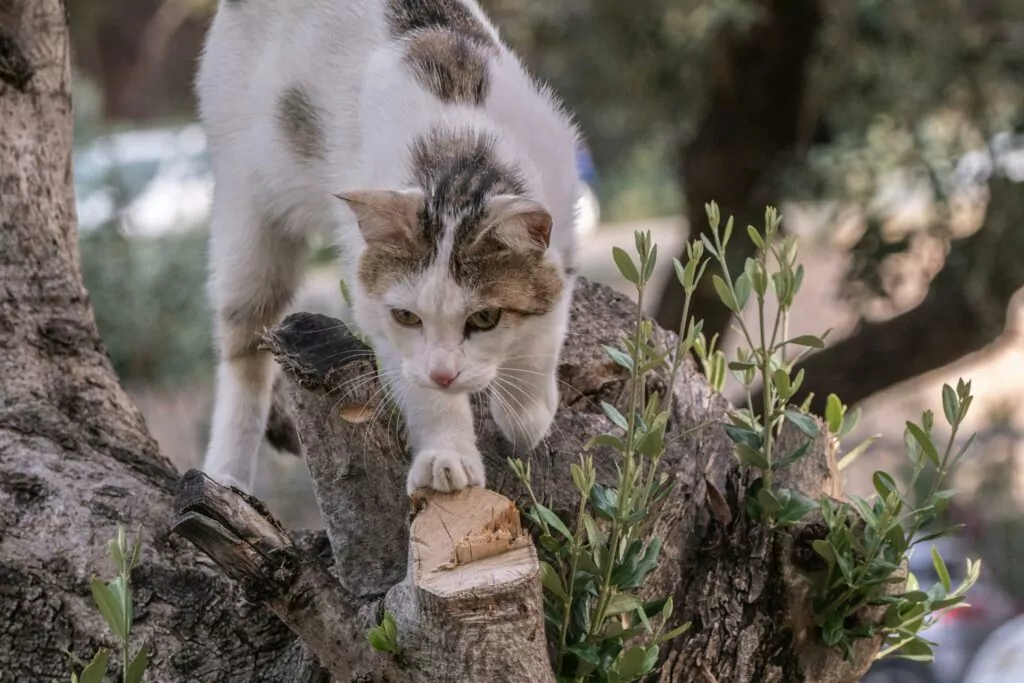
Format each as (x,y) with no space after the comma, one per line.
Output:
(592,570)
(762,358)
(149,298)
(384,636)
(867,541)
(114,601)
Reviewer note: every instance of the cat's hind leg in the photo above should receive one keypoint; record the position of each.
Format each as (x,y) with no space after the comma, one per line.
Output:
(256,268)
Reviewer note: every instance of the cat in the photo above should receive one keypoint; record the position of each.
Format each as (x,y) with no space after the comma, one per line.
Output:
(447,173)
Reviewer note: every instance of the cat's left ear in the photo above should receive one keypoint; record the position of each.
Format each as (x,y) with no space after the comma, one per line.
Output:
(520,224)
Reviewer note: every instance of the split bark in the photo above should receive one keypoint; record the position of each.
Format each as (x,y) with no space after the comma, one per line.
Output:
(76,460)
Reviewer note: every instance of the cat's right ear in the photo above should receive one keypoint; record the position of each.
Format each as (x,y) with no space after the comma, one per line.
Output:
(385,217)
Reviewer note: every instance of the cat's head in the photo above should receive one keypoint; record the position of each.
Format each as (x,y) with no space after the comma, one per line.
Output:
(453,293)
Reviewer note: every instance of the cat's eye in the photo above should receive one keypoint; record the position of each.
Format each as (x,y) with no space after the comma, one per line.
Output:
(405,318)
(484,320)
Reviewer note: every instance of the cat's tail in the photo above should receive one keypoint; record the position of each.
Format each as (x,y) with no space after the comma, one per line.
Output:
(281,432)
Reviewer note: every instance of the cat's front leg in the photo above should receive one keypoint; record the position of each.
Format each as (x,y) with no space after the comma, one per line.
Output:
(440,426)
(523,400)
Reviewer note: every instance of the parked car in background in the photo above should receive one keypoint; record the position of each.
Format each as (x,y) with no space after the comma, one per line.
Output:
(155,181)
(147,181)
(959,632)
(1001,657)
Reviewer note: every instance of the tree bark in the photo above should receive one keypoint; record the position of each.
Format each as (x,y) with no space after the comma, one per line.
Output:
(76,460)
(75,456)
(756,119)
(964,311)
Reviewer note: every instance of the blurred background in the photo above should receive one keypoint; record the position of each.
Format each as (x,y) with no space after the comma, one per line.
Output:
(889,132)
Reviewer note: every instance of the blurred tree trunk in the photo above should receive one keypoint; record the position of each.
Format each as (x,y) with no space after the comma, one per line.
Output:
(964,311)
(756,120)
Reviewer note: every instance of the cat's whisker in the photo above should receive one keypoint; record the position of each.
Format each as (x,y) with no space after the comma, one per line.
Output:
(509,373)
(508,381)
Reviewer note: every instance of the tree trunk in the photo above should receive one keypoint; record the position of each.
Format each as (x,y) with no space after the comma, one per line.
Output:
(75,456)
(76,459)
(756,119)
(964,311)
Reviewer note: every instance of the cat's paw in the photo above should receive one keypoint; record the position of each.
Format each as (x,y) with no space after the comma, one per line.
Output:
(446,470)
(525,421)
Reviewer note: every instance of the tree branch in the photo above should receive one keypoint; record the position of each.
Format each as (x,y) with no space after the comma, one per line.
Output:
(249,545)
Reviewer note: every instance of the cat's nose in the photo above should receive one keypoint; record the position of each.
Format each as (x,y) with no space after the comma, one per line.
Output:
(443,378)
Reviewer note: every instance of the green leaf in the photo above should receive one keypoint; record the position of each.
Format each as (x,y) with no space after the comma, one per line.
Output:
(940,568)
(897,538)
(378,639)
(769,503)
(857,451)
(619,356)
(963,449)
(865,511)
(622,603)
(925,442)
(115,553)
(724,293)
(834,413)
(123,595)
(808,340)
(652,259)
(805,423)
(791,458)
(137,549)
(674,633)
(950,405)
(916,650)
(884,484)
(948,531)
(742,287)
(594,535)
(97,669)
(826,551)
(605,501)
(137,667)
(758,279)
(552,582)
(109,607)
(390,627)
(832,631)
(589,656)
(780,378)
(651,658)
(552,520)
(681,273)
(614,415)
(755,237)
(751,457)
(631,664)
(625,265)
(740,435)
(796,508)
(606,440)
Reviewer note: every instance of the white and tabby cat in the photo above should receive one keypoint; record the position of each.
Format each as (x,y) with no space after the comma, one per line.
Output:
(409,130)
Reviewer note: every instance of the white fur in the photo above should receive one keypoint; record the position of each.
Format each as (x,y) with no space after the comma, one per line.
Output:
(267,201)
